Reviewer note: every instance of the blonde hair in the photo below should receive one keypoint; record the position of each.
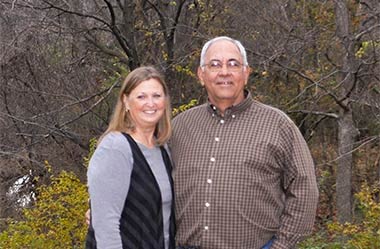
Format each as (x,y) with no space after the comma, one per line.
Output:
(121,119)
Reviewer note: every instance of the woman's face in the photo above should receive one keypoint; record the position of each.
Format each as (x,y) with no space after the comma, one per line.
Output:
(146,103)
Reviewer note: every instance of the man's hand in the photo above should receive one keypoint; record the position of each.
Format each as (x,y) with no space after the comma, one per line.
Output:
(88,216)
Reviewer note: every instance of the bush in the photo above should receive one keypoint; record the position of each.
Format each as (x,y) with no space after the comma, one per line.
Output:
(364,233)
(55,221)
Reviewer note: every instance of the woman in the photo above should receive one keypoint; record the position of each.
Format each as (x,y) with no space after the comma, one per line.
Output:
(129,176)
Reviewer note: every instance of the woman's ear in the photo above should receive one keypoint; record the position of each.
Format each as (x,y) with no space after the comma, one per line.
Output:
(126,102)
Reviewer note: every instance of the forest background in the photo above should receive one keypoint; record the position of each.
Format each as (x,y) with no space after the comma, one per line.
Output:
(62,62)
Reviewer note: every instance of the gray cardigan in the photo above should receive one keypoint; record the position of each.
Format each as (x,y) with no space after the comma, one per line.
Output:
(109,180)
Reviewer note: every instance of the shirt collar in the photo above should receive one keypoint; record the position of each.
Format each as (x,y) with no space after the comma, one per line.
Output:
(232,110)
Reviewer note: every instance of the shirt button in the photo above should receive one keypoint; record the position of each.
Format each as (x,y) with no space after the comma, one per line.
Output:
(212,159)
(206,227)
(207,204)
(209,181)
(233,116)
(222,121)
(217,139)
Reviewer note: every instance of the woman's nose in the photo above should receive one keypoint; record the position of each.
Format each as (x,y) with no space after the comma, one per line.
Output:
(150,101)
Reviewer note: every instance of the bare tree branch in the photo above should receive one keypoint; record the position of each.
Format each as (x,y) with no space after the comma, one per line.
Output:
(326,114)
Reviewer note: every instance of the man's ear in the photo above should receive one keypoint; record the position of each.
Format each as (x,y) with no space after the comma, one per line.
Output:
(200,73)
(248,70)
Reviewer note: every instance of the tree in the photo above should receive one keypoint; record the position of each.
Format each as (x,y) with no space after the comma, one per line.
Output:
(347,130)
(48,84)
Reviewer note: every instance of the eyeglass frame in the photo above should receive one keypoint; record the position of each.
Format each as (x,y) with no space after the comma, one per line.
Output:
(219,68)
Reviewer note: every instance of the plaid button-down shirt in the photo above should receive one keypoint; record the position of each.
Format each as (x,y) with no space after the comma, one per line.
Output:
(241,178)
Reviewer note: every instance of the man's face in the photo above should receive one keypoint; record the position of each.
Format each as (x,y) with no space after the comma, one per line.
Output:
(223,80)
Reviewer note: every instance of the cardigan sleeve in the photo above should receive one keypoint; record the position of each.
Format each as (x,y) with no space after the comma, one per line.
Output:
(108,176)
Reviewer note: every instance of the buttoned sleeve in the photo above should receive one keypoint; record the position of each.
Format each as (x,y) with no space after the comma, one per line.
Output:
(300,188)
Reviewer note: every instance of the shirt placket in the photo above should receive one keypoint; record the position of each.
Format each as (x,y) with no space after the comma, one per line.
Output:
(213,164)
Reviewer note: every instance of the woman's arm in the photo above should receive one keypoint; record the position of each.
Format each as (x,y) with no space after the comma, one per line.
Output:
(108,182)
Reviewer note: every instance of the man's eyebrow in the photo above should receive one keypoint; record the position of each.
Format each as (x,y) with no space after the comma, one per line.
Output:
(232,59)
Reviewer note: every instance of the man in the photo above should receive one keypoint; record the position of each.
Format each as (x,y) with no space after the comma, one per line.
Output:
(243,174)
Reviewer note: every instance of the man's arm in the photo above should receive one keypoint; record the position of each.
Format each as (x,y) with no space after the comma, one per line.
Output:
(87,216)
(300,187)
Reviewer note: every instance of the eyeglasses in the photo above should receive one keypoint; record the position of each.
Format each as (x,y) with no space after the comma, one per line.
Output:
(217,66)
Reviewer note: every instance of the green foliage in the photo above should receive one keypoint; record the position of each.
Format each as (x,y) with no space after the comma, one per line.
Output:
(366,47)
(92,145)
(116,71)
(55,221)
(186,70)
(320,241)
(185,107)
(364,233)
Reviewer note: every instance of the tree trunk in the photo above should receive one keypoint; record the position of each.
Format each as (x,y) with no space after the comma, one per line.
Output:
(346,127)
(344,170)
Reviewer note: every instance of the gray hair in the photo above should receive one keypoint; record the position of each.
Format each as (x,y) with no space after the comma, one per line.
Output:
(225,38)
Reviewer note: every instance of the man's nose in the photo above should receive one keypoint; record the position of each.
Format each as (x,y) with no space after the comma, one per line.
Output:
(224,69)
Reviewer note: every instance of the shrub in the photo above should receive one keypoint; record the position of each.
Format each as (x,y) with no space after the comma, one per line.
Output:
(363,233)
(55,221)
